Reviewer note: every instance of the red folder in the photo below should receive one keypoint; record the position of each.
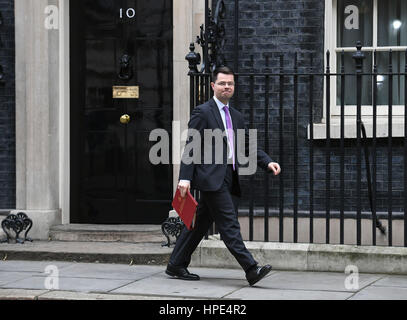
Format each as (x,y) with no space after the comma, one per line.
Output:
(186,208)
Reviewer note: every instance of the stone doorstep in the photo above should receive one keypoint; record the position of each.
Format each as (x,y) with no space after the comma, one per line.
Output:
(105,236)
(130,259)
(103,252)
(107,233)
(108,227)
(307,257)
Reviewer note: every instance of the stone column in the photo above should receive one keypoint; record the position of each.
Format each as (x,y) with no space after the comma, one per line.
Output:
(187,16)
(37,116)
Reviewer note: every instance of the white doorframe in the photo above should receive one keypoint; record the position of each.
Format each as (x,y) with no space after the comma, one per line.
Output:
(64,114)
(185,13)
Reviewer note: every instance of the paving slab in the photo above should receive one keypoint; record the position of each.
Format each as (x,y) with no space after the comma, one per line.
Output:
(109,271)
(68,295)
(218,273)
(161,284)
(31,266)
(392,281)
(97,281)
(319,281)
(256,293)
(69,284)
(381,293)
(9,277)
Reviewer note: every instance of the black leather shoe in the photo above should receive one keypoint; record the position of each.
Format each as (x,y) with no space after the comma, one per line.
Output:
(257,273)
(180,273)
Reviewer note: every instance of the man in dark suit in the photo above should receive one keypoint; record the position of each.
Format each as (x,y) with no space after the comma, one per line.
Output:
(218,182)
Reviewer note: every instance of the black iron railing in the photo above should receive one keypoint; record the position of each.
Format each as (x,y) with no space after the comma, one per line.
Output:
(200,91)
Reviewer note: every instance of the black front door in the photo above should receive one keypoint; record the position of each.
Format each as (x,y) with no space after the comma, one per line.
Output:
(119,43)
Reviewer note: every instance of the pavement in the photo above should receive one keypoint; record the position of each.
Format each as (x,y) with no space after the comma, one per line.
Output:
(68,280)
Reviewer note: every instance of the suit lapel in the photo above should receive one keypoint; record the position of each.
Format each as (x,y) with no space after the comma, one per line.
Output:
(234,124)
(234,116)
(234,119)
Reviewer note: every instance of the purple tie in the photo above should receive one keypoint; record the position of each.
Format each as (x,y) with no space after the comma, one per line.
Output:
(229,128)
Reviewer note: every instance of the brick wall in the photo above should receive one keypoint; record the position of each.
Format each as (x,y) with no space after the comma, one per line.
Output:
(271,28)
(7,107)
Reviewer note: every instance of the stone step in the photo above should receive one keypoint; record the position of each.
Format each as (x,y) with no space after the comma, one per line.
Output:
(107,233)
(94,252)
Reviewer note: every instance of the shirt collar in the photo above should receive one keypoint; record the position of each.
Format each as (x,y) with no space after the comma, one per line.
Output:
(219,103)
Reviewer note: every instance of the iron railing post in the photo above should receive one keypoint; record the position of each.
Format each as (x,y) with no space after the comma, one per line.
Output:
(267,150)
(358,57)
(342,147)
(328,150)
(390,152)
(251,126)
(295,217)
(281,143)
(311,153)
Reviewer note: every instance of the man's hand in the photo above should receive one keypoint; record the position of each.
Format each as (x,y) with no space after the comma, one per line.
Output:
(183,187)
(275,167)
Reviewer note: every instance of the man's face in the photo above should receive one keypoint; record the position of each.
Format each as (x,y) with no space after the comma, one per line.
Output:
(224,87)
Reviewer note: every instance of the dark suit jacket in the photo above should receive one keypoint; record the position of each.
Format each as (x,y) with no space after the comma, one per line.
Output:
(209,177)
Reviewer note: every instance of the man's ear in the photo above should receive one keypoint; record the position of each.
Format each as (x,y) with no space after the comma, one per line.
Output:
(212,85)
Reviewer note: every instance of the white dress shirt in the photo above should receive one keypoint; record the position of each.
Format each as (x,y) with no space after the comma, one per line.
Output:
(223,115)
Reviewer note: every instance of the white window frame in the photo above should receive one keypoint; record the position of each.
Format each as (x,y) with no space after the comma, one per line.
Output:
(330,44)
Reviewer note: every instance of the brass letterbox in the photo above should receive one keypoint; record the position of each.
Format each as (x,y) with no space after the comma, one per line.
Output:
(125,92)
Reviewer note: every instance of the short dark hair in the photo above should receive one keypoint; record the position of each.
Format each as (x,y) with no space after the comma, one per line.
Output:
(222,69)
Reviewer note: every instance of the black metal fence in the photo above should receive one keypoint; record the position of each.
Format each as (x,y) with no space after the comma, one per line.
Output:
(200,91)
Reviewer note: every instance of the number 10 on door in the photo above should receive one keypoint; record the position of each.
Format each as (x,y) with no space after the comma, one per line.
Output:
(129,13)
